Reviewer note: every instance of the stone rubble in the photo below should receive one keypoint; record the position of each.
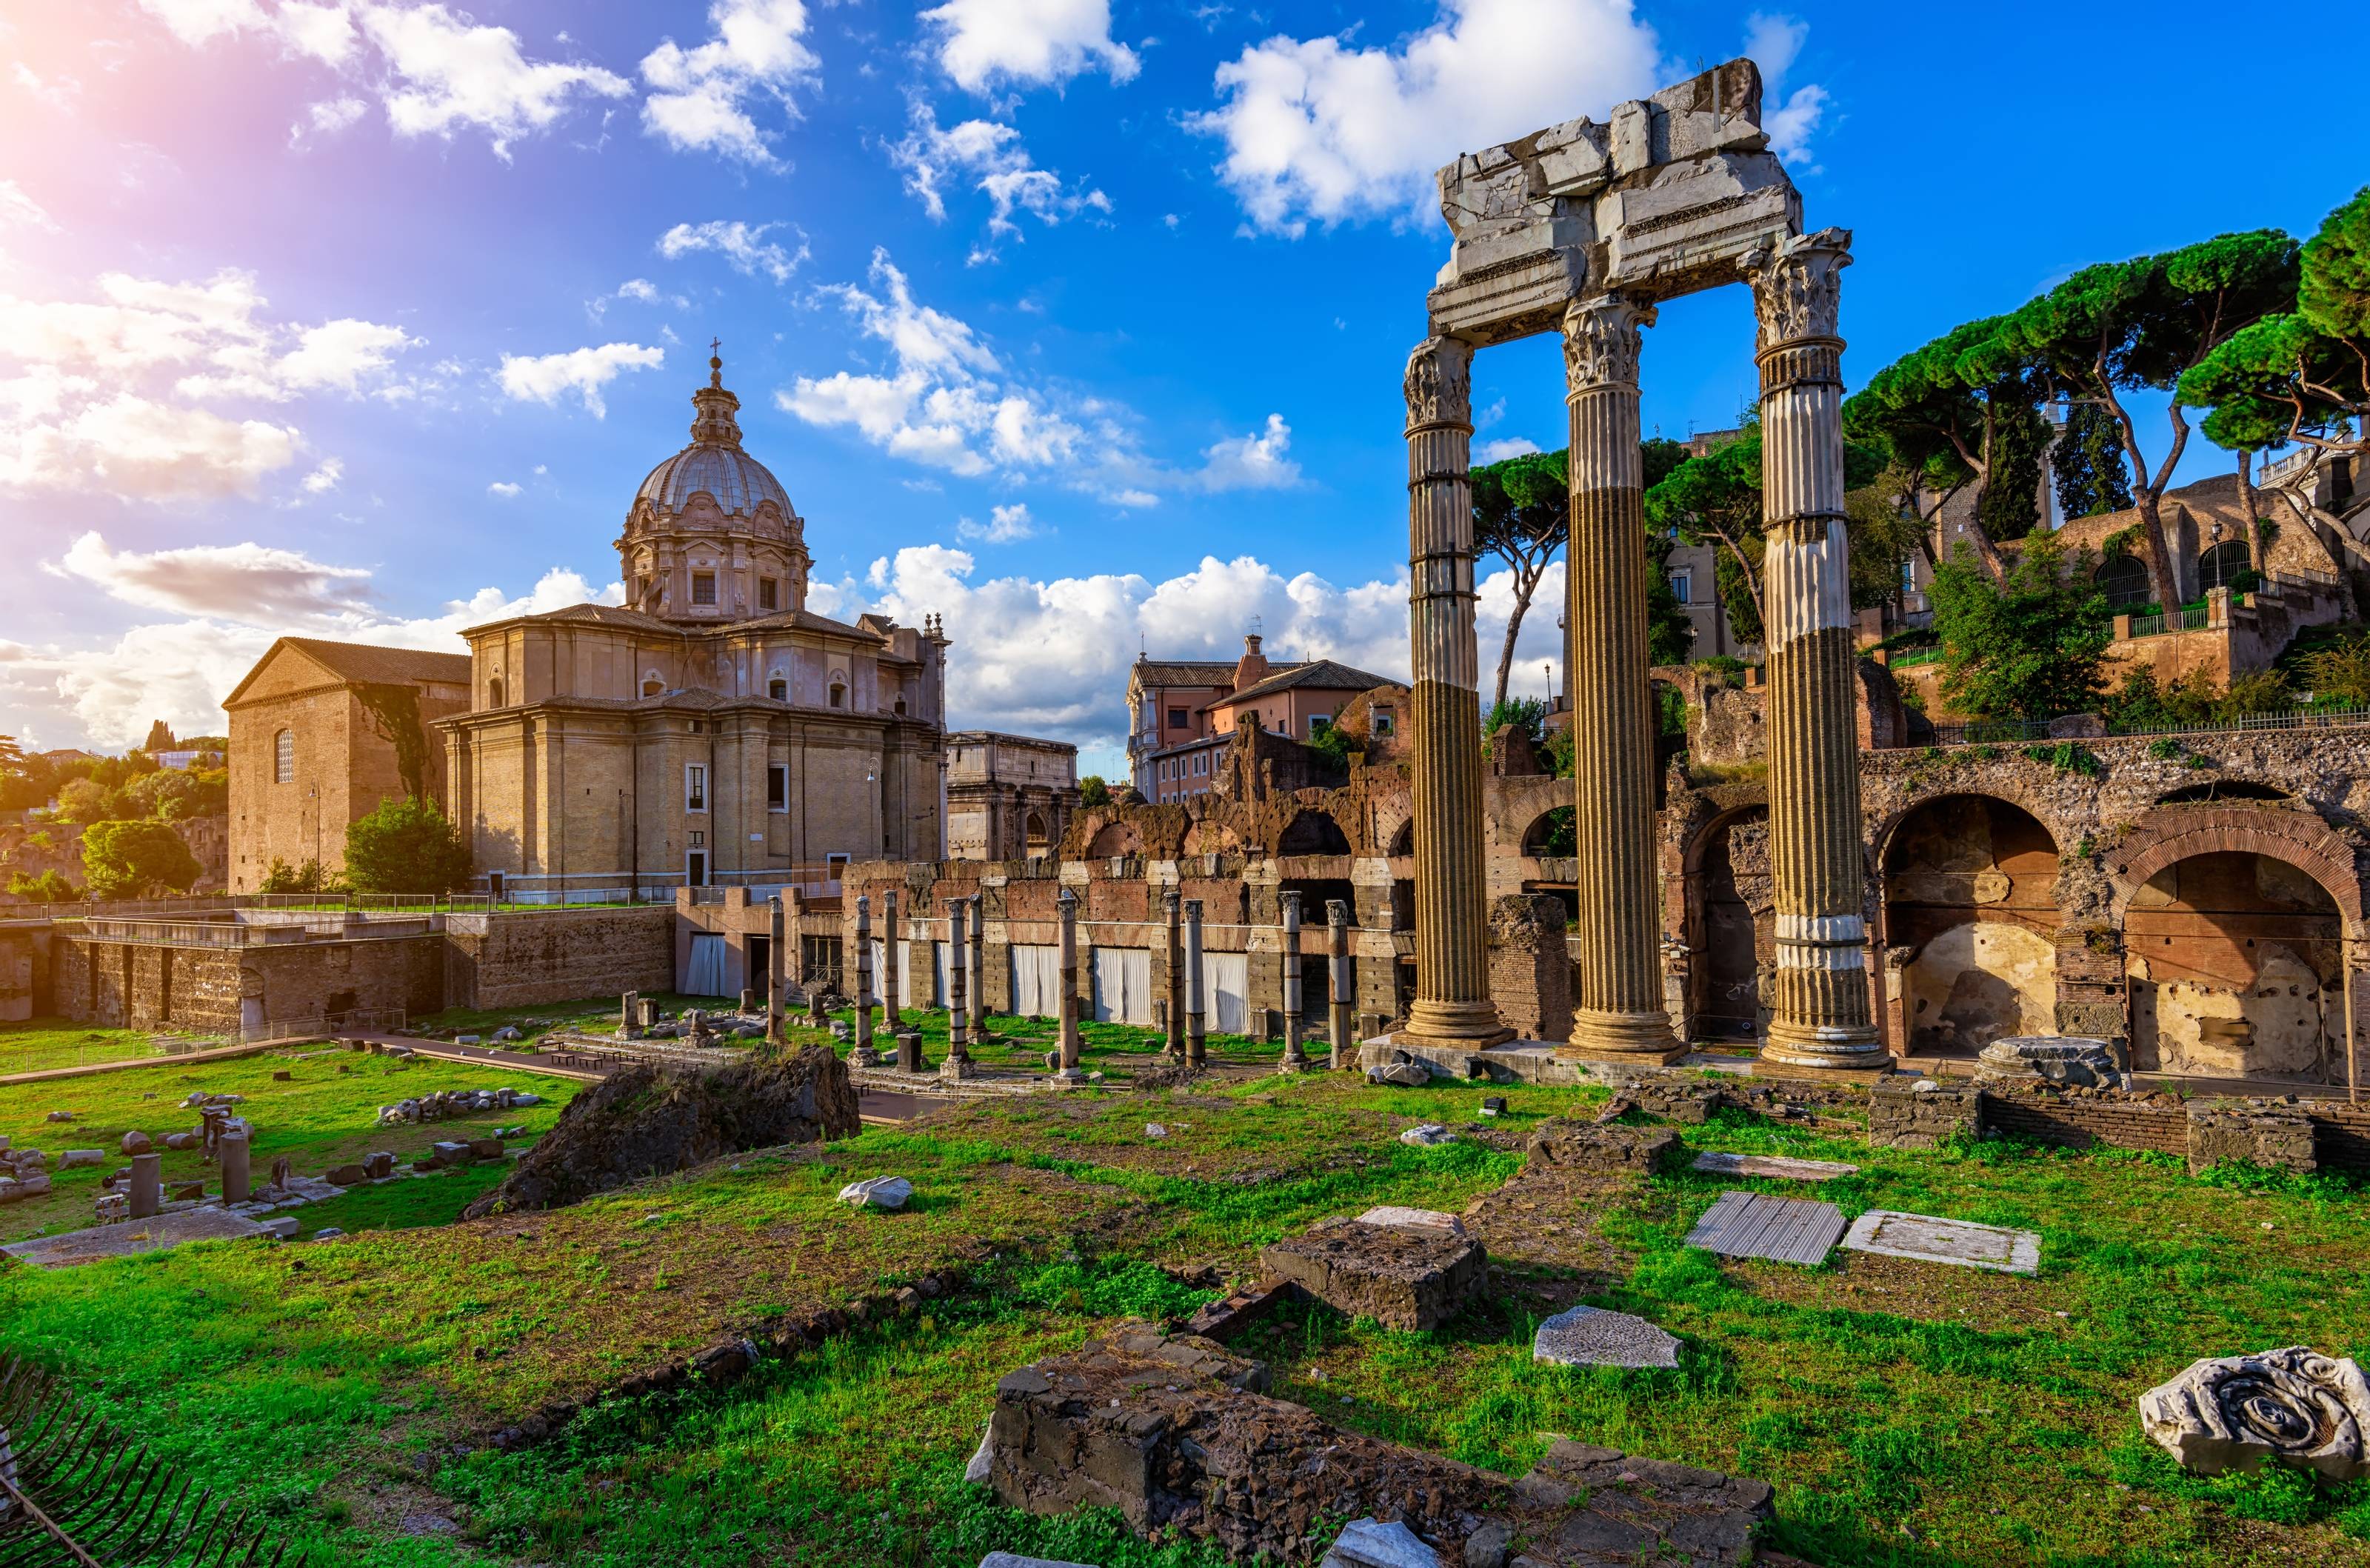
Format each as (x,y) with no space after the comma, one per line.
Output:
(2069,1059)
(1588,1336)
(878,1192)
(1427,1135)
(1403,1276)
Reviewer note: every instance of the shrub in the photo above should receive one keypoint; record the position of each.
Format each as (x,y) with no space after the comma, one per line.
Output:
(128,859)
(406,847)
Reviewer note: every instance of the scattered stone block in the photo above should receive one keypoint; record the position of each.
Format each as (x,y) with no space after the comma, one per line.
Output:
(2274,1134)
(447,1153)
(279,1226)
(81,1158)
(1370,1543)
(1423,1219)
(329,1233)
(348,1176)
(1493,1105)
(1407,1072)
(485,1148)
(1155,1130)
(522,1099)
(1923,1114)
(378,1167)
(2239,1413)
(190,1192)
(1784,1168)
(2054,1058)
(878,1192)
(1963,1243)
(184,1141)
(1588,1336)
(1427,1135)
(283,1076)
(58,1117)
(1586,1146)
(468,1039)
(1402,1276)
(136,1143)
(1675,1100)
(507,1031)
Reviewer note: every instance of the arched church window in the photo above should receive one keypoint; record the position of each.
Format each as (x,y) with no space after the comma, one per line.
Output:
(284,758)
(838,695)
(901,707)
(494,692)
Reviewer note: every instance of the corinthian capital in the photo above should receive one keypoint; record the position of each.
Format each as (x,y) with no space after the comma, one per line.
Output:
(1601,339)
(1797,285)
(1440,383)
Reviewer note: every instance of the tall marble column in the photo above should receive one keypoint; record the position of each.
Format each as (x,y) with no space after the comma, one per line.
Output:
(1340,1019)
(958,1016)
(1822,1016)
(1452,1002)
(1617,1006)
(1066,1005)
(1197,1049)
(893,942)
(775,968)
(1172,960)
(862,1052)
(1296,1056)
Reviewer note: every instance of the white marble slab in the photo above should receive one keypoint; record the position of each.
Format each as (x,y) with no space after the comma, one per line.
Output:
(1957,1241)
(1782,1166)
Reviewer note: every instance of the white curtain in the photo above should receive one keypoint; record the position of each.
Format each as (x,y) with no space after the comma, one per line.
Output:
(1037,981)
(943,954)
(1225,992)
(904,972)
(707,976)
(1123,985)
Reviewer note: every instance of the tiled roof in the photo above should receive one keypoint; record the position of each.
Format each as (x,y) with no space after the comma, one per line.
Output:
(1320,674)
(1185,672)
(366,661)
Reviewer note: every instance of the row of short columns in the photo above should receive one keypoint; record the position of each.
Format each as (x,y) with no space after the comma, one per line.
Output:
(1823,1015)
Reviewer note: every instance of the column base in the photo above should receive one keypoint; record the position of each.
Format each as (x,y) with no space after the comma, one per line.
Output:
(864,1056)
(1621,1037)
(1470,1026)
(1801,1050)
(955,1069)
(1070,1075)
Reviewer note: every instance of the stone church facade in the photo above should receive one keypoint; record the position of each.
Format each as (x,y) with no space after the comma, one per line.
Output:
(711,732)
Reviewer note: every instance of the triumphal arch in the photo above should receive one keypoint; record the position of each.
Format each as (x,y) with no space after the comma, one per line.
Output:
(1584,229)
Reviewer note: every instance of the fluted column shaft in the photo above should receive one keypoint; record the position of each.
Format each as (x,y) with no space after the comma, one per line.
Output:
(1617,1008)
(1822,1013)
(1451,1002)
(1296,1056)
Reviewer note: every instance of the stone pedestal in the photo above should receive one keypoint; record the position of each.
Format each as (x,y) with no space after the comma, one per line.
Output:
(238,1183)
(909,1052)
(147,1184)
(1452,1002)
(1618,1012)
(1823,1015)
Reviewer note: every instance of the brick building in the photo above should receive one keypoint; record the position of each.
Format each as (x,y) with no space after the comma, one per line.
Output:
(1183,711)
(322,732)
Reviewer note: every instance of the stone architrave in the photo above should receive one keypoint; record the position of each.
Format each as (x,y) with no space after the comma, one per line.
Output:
(1066,1008)
(1197,1047)
(1618,1011)
(1340,1022)
(2238,1412)
(1295,1057)
(1822,1016)
(1452,1004)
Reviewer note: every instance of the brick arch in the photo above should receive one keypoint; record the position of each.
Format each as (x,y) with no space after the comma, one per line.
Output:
(2167,835)
(2011,792)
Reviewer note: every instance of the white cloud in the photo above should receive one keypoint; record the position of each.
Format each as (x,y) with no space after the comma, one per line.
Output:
(988,155)
(256,583)
(699,97)
(542,378)
(984,45)
(141,450)
(325,119)
(503,488)
(1050,657)
(1252,462)
(638,288)
(1774,42)
(1005,525)
(743,245)
(1506,447)
(20,210)
(324,479)
(450,74)
(180,671)
(324,32)
(1317,130)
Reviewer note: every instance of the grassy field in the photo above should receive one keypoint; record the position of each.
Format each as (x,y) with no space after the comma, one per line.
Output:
(323,1117)
(1910,1415)
(49,1043)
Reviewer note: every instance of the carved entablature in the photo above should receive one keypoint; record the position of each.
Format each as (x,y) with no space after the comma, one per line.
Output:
(1601,339)
(1798,286)
(1440,384)
(1658,201)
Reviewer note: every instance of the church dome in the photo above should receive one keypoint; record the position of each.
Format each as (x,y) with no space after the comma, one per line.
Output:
(714,462)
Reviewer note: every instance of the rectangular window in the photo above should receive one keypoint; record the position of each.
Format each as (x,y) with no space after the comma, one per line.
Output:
(703,587)
(695,788)
(284,758)
(1909,576)
(1317,725)
(1683,586)
(1381,718)
(698,838)
(1178,718)
(777,787)
(695,868)
(768,593)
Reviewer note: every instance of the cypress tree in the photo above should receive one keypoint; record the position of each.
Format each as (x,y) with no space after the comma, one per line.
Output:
(2092,478)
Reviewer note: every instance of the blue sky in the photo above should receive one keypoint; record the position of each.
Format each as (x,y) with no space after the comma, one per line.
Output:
(1078,323)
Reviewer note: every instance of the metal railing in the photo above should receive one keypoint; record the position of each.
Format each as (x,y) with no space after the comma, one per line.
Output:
(1908,658)
(355,1020)
(2002,731)
(2172,620)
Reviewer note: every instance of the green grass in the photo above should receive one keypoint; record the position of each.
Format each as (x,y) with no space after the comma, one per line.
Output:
(326,1116)
(1909,1416)
(46,1044)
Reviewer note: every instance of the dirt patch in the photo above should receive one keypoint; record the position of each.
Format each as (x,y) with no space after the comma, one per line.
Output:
(1933,1293)
(1546,1218)
(644,1121)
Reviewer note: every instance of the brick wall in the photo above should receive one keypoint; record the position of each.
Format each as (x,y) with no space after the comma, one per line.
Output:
(526,959)
(2080,1124)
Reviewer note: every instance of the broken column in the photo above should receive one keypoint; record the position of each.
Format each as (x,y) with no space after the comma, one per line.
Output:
(892,986)
(1452,1002)
(1066,1008)
(1197,1048)
(237,1182)
(958,1062)
(1295,1060)
(1339,1022)
(1618,1012)
(1173,956)
(977,938)
(1822,1016)
(630,1015)
(147,1184)
(864,1054)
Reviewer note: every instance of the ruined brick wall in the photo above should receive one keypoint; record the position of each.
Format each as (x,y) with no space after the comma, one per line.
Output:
(2155,1121)
(528,958)
(1530,972)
